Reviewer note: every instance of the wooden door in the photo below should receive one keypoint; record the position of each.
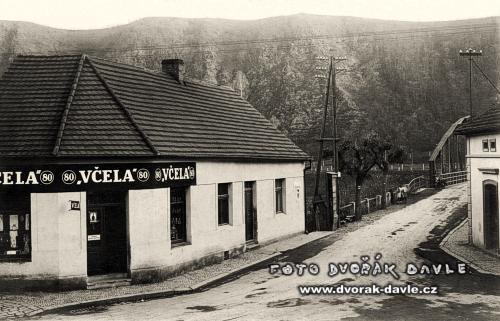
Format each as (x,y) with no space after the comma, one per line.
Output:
(250,215)
(106,233)
(490,214)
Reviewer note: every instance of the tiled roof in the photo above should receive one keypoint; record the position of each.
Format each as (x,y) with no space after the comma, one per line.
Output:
(484,123)
(67,106)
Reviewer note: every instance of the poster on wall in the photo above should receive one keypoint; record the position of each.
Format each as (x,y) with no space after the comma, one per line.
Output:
(14,226)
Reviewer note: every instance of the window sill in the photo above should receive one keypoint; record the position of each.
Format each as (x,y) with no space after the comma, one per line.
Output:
(15,259)
(223,227)
(180,244)
(280,213)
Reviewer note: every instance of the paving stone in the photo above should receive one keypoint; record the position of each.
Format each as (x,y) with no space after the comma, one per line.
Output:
(457,244)
(32,303)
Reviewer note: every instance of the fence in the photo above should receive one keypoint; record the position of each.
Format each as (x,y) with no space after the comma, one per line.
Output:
(326,165)
(369,205)
(409,167)
(417,183)
(454,177)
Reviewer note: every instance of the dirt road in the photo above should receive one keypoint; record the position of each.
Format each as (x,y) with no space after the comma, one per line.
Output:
(398,237)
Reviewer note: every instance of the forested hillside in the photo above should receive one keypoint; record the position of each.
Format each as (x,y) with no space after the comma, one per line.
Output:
(405,80)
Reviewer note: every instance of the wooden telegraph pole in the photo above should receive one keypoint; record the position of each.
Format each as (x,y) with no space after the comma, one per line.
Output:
(470,53)
(331,83)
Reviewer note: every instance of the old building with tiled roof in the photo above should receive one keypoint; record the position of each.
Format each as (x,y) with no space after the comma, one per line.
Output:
(111,169)
(483,165)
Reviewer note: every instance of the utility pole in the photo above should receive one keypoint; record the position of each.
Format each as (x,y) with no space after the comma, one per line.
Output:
(331,82)
(470,53)
(317,198)
(335,134)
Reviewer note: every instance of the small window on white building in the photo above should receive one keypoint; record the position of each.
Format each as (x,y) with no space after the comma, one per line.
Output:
(493,145)
(485,146)
(223,203)
(15,226)
(279,191)
(178,221)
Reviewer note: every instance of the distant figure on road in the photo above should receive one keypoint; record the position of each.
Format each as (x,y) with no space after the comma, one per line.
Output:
(401,194)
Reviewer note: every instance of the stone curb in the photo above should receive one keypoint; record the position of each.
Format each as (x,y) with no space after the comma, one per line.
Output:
(167,293)
(449,251)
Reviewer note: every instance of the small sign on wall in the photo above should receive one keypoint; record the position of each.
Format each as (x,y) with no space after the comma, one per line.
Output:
(74,206)
(94,237)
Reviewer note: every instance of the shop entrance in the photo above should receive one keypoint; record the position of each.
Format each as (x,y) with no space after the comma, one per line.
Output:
(106,233)
(250,213)
(490,212)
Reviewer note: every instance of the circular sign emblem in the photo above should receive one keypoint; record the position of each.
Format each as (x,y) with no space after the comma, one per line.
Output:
(46,177)
(191,172)
(68,177)
(158,174)
(143,174)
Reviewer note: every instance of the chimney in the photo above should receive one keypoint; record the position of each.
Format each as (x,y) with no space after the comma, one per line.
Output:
(173,67)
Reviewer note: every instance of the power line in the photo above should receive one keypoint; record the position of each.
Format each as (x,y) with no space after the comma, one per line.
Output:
(487,78)
(398,33)
(284,47)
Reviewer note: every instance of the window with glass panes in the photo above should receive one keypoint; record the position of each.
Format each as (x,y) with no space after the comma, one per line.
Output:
(486,147)
(223,203)
(15,226)
(279,190)
(178,215)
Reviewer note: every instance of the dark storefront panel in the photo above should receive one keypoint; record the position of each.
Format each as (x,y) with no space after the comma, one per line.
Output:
(106,233)
(81,177)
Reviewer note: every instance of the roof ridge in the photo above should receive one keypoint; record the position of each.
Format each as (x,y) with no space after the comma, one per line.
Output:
(49,56)
(144,136)
(67,107)
(158,72)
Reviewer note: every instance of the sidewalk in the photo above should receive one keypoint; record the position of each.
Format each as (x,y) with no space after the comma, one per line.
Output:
(456,244)
(26,304)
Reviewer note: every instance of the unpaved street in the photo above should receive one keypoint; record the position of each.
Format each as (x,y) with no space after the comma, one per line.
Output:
(401,237)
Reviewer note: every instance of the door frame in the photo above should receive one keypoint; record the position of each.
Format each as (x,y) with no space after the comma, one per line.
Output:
(254,210)
(487,221)
(126,219)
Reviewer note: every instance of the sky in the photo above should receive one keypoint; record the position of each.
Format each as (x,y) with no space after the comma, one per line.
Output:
(93,14)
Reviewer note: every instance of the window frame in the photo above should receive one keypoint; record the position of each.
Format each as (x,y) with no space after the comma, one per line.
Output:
(20,207)
(180,241)
(282,195)
(227,197)
(491,147)
(486,145)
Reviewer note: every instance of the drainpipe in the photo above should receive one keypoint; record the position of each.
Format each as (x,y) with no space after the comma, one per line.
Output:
(306,167)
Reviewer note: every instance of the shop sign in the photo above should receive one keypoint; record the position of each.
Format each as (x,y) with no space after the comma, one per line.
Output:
(81,177)
(74,205)
(94,237)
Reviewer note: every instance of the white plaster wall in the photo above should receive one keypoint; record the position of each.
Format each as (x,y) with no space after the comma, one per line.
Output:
(479,159)
(477,144)
(57,239)
(148,229)
(149,216)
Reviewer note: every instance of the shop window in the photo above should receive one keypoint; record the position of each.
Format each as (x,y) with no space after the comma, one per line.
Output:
(485,146)
(279,191)
(223,202)
(15,226)
(178,220)
(493,145)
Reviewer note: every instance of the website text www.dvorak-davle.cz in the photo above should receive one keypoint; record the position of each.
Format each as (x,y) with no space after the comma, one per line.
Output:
(366,268)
